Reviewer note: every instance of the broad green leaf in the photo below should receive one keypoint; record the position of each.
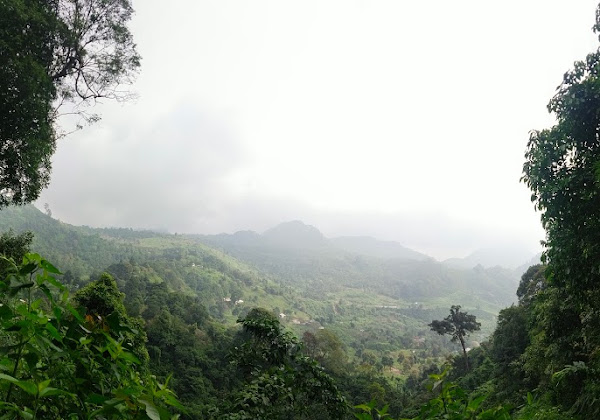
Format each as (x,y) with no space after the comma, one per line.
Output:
(27,386)
(151,410)
(474,404)
(5,312)
(49,343)
(49,267)
(58,312)
(27,269)
(43,385)
(74,312)
(96,399)
(13,290)
(36,304)
(50,392)
(17,326)
(56,283)
(46,292)
(126,391)
(130,357)
(53,331)
(31,358)
(26,414)
(172,401)
(32,257)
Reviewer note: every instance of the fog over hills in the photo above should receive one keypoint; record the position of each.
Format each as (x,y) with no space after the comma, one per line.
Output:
(298,235)
(301,255)
(491,257)
(292,258)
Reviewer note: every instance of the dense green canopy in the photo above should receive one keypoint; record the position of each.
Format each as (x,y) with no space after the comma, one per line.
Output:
(562,169)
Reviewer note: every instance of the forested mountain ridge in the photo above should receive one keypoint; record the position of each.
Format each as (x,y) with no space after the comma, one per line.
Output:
(292,261)
(190,289)
(190,294)
(298,235)
(298,253)
(82,252)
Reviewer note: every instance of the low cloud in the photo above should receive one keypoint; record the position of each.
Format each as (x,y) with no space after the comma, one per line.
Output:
(170,172)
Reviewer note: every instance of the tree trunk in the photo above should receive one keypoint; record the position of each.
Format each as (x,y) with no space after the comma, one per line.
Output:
(462,343)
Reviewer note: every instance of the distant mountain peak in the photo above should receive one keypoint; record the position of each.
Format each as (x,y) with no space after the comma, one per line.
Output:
(295,234)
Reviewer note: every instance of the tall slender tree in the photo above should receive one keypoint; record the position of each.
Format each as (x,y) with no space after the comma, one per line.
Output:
(458,324)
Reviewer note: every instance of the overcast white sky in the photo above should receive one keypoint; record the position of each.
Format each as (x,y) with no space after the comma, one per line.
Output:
(403,120)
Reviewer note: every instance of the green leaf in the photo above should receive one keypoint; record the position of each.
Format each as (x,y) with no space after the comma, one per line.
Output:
(130,357)
(17,326)
(13,290)
(170,399)
(5,312)
(363,407)
(46,292)
(43,385)
(36,304)
(96,399)
(26,414)
(529,398)
(31,257)
(57,311)
(53,332)
(31,358)
(474,404)
(151,410)
(74,312)
(49,267)
(85,341)
(56,283)
(50,392)
(27,269)
(27,386)
(49,343)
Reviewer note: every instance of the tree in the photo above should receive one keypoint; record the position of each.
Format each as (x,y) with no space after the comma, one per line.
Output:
(61,363)
(280,381)
(562,170)
(387,361)
(327,349)
(13,248)
(508,343)
(532,282)
(103,302)
(54,53)
(458,324)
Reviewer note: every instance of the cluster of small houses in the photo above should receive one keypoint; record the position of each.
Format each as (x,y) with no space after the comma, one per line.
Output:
(282,316)
(237,302)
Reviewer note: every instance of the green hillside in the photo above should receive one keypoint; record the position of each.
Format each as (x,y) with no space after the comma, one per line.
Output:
(291,269)
(379,307)
(321,268)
